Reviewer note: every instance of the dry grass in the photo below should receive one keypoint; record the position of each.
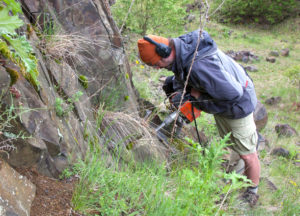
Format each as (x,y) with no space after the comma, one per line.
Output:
(130,133)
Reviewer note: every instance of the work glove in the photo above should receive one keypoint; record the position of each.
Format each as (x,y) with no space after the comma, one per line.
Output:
(168,86)
(175,100)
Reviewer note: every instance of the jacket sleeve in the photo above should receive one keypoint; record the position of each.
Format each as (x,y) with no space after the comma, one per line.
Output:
(177,85)
(209,76)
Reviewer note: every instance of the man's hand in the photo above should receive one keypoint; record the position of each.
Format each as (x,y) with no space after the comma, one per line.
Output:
(195,93)
(175,100)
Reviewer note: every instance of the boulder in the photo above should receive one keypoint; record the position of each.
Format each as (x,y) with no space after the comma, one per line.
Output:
(16,192)
(279,151)
(285,130)
(260,116)
(271,59)
(273,100)
(274,53)
(244,56)
(251,68)
(285,52)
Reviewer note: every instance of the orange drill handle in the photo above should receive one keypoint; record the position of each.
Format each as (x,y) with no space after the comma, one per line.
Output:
(187,110)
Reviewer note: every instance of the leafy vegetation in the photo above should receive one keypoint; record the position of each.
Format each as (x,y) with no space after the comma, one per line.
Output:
(264,12)
(59,104)
(191,188)
(13,46)
(9,114)
(147,16)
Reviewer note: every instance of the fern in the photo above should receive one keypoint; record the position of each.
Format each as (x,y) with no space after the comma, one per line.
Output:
(15,47)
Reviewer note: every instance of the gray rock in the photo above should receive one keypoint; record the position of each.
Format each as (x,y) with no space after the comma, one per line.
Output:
(274,53)
(271,59)
(281,152)
(245,56)
(251,68)
(245,59)
(285,130)
(16,192)
(285,52)
(260,116)
(273,100)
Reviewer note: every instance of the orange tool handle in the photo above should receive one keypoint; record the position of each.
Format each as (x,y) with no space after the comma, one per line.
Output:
(186,110)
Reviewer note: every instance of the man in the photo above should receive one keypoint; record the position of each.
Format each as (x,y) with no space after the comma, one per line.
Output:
(221,87)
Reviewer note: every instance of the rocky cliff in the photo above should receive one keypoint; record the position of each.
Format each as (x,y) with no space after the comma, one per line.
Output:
(81,64)
(83,70)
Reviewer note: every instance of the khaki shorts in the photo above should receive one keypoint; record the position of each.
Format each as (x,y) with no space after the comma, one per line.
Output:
(243,133)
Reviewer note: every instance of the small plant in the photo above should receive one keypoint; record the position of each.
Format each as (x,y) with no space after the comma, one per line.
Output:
(83,81)
(66,173)
(8,115)
(60,110)
(58,107)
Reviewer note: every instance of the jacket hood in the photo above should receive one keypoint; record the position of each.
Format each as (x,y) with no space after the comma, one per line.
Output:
(185,46)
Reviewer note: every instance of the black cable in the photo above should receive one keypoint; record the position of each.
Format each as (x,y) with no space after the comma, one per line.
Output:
(196,125)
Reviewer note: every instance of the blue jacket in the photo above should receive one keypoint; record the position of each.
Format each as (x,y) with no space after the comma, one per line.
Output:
(225,87)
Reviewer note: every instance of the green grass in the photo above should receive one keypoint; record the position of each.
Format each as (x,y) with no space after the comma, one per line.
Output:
(150,189)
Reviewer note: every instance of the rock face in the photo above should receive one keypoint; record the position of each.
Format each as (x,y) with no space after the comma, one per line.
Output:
(58,118)
(16,192)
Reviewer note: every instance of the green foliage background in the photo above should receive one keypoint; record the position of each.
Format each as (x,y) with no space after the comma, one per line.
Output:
(259,11)
(147,16)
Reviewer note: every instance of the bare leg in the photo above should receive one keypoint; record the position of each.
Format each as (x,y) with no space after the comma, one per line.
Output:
(252,167)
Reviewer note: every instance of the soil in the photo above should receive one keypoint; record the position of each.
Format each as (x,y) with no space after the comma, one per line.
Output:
(53,196)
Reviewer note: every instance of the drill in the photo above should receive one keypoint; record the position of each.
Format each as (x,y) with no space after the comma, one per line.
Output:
(186,112)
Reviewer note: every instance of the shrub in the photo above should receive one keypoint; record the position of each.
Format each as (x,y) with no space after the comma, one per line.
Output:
(258,11)
(146,15)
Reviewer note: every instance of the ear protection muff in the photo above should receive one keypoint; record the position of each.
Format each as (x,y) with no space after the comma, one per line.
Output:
(161,49)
